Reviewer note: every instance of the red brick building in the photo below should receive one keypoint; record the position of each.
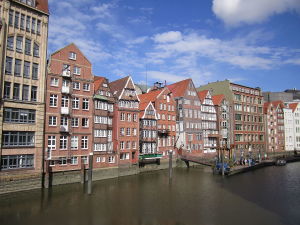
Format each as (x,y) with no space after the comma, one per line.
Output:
(165,105)
(274,118)
(126,120)
(104,153)
(188,106)
(69,109)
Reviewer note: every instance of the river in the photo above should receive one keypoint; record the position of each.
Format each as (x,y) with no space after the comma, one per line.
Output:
(268,196)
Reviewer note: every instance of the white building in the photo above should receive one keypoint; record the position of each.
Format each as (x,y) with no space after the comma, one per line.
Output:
(295,107)
(289,129)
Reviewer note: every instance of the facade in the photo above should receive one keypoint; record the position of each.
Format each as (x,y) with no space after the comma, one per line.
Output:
(295,106)
(209,122)
(274,119)
(165,106)
(295,93)
(188,119)
(69,109)
(224,118)
(247,104)
(289,129)
(277,96)
(104,153)
(24,35)
(148,131)
(126,120)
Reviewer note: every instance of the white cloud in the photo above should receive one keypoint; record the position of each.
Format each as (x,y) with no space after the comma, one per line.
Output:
(236,12)
(171,36)
(162,76)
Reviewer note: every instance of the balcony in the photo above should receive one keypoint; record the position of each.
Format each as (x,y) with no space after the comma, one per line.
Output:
(150,156)
(65,90)
(64,128)
(65,110)
(66,73)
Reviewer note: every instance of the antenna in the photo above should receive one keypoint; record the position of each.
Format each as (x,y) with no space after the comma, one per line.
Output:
(146,77)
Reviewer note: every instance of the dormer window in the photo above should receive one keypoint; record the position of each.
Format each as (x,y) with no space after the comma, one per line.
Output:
(72,55)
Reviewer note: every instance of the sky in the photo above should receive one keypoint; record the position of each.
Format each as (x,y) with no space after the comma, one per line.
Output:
(250,42)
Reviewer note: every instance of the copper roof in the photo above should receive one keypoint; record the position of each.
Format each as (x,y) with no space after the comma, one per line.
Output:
(117,86)
(178,89)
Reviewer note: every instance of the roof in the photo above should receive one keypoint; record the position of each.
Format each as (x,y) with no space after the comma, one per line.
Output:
(150,96)
(42,5)
(293,106)
(202,95)
(217,99)
(117,86)
(274,103)
(178,89)
(97,82)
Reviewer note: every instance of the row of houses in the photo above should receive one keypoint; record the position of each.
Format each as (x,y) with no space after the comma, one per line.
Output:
(56,113)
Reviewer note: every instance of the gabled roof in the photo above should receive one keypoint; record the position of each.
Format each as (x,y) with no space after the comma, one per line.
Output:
(293,106)
(150,96)
(117,86)
(178,89)
(202,95)
(98,82)
(42,5)
(275,104)
(143,107)
(217,99)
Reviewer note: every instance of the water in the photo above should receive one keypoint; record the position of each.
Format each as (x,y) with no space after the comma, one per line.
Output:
(268,196)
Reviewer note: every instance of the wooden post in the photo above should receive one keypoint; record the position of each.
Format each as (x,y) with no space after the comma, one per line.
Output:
(82,172)
(90,173)
(170,164)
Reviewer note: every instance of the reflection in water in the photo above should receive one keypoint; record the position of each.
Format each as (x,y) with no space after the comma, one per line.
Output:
(267,196)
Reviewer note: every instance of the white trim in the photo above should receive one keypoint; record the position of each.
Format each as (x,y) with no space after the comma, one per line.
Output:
(150,103)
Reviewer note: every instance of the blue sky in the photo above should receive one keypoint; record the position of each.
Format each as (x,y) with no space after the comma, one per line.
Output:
(254,43)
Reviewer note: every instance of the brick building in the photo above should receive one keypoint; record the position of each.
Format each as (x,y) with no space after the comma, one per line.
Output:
(209,122)
(104,153)
(23,46)
(274,119)
(126,120)
(188,119)
(248,129)
(69,109)
(165,105)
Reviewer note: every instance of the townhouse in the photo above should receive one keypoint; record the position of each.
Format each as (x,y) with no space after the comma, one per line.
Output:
(69,109)
(289,128)
(104,153)
(24,35)
(126,121)
(274,119)
(188,119)
(295,106)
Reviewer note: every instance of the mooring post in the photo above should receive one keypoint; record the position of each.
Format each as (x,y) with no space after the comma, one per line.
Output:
(82,172)
(90,173)
(222,150)
(170,164)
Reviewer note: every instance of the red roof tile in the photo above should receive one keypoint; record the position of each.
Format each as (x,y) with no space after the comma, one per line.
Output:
(117,86)
(42,5)
(150,96)
(293,106)
(97,82)
(217,99)
(178,89)
(202,95)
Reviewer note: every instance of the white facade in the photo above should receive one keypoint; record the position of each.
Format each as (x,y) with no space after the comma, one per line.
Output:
(297,127)
(289,129)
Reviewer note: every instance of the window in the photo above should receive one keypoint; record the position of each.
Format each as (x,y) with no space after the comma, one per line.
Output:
(51,142)
(85,104)
(8,65)
(63,160)
(74,142)
(17,19)
(122,115)
(64,121)
(10,42)
(128,144)
(134,145)
(122,131)
(135,117)
(19,45)
(75,103)
(86,87)
(72,55)
(33,25)
(111,159)
(16,92)
(128,117)
(53,100)
(38,27)
(84,159)
(63,142)
(122,145)
(17,67)
(128,131)
(27,46)
(35,70)
(28,18)
(100,133)
(134,131)
(7,89)
(22,23)
(74,160)
(54,82)
(26,72)
(14,115)
(33,93)
(11,17)
(75,122)
(76,85)
(64,101)
(25,93)
(17,161)
(18,138)
(100,147)
(36,50)
(85,122)
(52,120)
(84,142)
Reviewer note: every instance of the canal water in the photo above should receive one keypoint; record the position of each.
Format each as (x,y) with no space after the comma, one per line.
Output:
(268,196)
